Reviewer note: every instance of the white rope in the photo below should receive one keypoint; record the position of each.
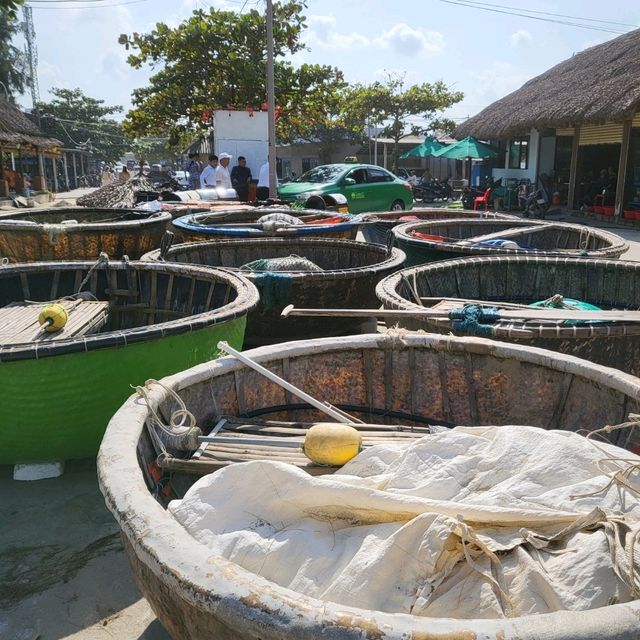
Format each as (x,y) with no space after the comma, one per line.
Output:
(181,422)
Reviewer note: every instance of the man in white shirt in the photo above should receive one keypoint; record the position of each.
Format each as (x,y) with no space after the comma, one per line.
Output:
(262,190)
(208,175)
(223,179)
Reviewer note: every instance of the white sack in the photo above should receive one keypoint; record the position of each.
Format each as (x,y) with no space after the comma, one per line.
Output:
(457,524)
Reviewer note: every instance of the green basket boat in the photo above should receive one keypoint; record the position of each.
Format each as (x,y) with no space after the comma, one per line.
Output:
(140,320)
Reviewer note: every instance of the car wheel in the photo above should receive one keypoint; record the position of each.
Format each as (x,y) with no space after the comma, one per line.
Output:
(315,202)
(397,205)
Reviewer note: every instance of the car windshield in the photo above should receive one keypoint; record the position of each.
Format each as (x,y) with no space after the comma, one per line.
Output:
(324,173)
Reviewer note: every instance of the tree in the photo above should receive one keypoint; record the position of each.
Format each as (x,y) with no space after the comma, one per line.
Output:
(217,59)
(9,8)
(83,122)
(13,64)
(389,103)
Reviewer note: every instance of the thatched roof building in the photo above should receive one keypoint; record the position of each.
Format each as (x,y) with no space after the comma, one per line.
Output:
(17,129)
(599,84)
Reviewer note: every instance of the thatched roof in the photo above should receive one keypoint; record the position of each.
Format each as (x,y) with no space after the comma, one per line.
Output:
(601,83)
(16,128)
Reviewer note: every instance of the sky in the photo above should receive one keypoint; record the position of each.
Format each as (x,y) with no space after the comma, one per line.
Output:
(486,53)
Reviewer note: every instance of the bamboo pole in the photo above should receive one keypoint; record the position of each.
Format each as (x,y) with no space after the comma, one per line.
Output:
(540,313)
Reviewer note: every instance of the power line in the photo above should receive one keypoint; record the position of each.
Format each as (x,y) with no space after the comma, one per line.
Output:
(471,5)
(555,15)
(95,4)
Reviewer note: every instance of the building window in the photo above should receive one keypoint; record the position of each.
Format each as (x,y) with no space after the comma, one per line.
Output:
(519,153)
(309,163)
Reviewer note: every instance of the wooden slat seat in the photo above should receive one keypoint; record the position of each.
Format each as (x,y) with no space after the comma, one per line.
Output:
(19,321)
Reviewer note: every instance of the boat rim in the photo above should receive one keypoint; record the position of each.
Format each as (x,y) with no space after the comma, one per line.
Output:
(212,583)
(394,258)
(247,299)
(617,244)
(7,222)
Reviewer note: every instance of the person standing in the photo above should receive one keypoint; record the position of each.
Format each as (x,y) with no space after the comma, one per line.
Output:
(223,179)
(195,169)
(240,178)
(262,191)
(208,175)
(124,174)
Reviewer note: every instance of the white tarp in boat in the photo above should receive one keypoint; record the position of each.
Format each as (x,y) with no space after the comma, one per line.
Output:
(475,522)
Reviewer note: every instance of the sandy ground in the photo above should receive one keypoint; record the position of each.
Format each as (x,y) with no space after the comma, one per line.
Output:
(63,573)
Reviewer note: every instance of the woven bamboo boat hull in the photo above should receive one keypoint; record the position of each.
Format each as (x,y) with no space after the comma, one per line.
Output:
(57,396)
(351,272)
(605,283)
(543,239)
(198,595)
(232,224)
(380,232)
(30,236)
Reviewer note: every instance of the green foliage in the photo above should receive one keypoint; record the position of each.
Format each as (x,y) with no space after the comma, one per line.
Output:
(13,63)
(82,122)
(389,103)
(9,8)
(151,150)
(437,125)
(216,59)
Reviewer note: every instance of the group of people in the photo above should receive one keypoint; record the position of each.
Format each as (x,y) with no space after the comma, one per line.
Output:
(109,175)
(216,174)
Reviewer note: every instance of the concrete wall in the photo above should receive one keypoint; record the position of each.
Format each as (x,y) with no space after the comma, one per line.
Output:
(532,170)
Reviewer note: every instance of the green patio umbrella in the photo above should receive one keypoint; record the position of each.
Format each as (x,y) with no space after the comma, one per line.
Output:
(467,148)
(427,148)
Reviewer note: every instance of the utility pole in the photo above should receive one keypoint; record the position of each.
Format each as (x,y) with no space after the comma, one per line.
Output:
(271,105)
(32,53)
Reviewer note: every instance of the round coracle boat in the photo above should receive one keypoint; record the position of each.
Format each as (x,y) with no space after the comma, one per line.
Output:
(378,225)
(200,591)
(447,239)
(126,322)
(299,271)
(512,284)
(230,224)
(80,234)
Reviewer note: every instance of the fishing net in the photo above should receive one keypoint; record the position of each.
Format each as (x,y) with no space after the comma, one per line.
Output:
(272,277)
(118,195)
(284,218)
(288,263)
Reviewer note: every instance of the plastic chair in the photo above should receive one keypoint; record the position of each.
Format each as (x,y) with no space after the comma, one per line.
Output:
(484,199)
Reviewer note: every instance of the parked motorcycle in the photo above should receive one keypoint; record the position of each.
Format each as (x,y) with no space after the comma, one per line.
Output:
(434,190)
(535,204)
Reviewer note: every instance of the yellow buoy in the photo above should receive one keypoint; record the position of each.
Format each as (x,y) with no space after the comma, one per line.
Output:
(332,444)
(53,317)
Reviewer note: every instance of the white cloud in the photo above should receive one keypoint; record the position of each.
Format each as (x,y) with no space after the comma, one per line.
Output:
(111,65)
(322,32)
(492,83)
(520,38)
(408,41)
